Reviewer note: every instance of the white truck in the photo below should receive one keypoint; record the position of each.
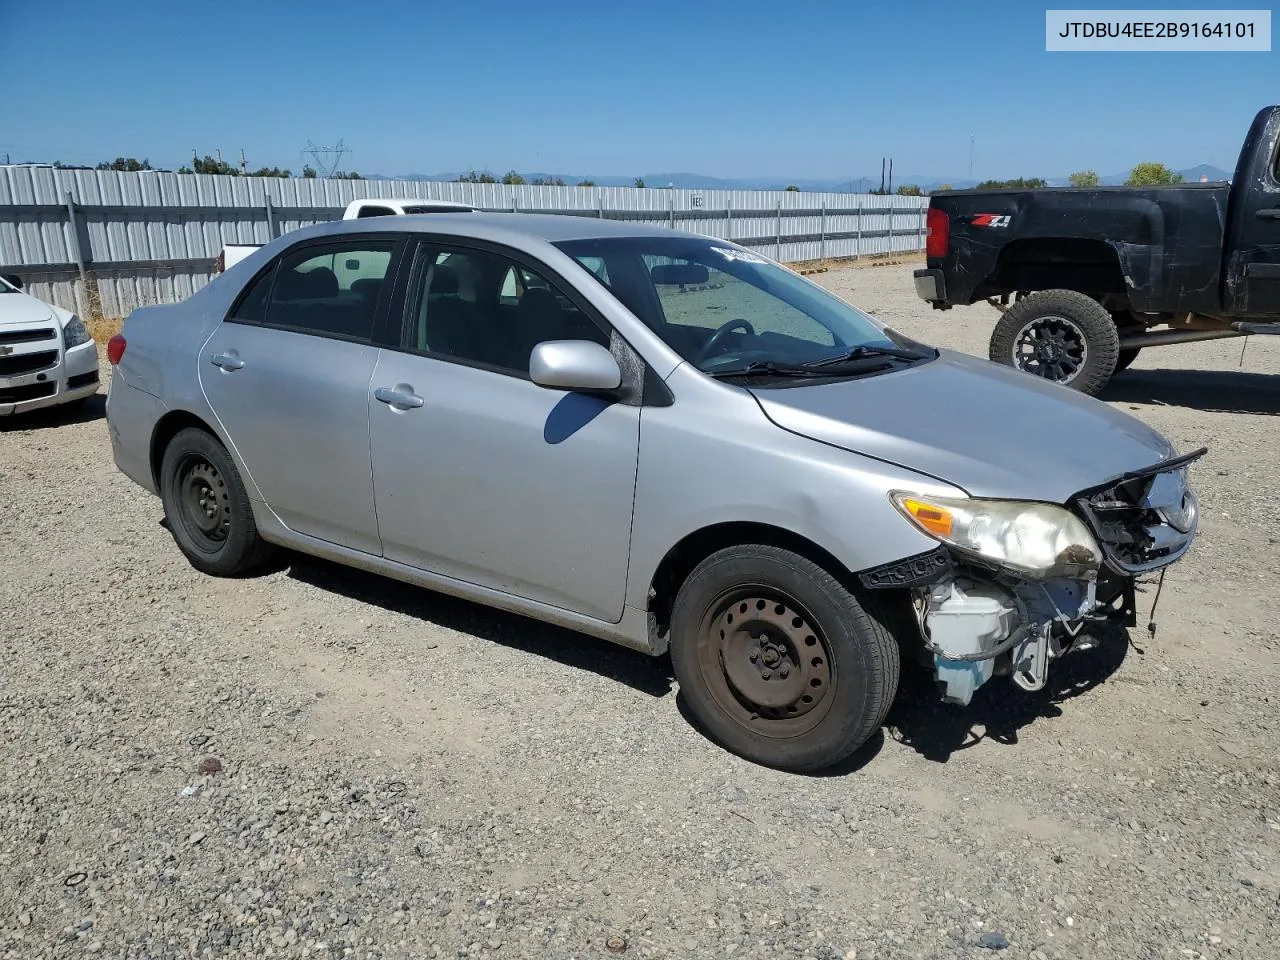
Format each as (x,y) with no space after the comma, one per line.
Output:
(233,253)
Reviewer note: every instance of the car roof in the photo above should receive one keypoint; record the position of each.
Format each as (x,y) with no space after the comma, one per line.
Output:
(508,227)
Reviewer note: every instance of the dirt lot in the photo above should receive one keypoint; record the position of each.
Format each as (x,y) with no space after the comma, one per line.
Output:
(399,774)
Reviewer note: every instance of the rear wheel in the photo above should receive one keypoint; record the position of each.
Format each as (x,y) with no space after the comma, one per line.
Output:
(207,507)
(1060,335)
(778,660)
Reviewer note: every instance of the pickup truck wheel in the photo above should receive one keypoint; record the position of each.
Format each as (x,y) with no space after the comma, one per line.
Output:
(778,661)
(1060,335)
(207,507)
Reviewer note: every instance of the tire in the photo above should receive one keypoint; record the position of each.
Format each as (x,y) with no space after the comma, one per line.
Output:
(207,508)
(1126,358)
(1060,335)
(823,644)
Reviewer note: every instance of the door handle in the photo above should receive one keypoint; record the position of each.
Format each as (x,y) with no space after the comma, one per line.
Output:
(226,361)
(398,398)
(1271,213)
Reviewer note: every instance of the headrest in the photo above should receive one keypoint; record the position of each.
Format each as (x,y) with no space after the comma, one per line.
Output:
(444,281)
(540,299)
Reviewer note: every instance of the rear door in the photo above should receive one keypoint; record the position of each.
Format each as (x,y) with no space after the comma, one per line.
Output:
(287,375)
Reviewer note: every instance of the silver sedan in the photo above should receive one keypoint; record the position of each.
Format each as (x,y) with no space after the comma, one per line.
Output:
(661,439)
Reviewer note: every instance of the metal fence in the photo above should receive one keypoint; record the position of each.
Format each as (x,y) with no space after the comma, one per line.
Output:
(108,241)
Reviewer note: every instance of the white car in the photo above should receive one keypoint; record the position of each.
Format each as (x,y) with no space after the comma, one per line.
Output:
(46,355)
(233,253)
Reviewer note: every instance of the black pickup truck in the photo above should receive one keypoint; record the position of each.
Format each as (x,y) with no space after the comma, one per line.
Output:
(1086,277)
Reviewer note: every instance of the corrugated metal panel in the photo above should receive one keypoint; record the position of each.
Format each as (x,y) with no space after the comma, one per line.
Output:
(152,218)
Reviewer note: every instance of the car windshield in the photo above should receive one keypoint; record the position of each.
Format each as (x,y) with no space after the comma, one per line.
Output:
(731,312)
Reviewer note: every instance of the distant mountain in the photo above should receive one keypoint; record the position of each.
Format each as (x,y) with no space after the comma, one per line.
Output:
(697,181)
(863,184)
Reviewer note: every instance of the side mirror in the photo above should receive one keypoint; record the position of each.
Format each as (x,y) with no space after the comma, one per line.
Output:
(13,280)
(574,365)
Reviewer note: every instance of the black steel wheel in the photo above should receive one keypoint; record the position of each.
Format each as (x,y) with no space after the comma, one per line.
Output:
(207,507)
(765,661)
(1062,336)
(205,502)
(778,660)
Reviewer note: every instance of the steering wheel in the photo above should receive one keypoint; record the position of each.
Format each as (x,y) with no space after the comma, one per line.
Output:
(721,332)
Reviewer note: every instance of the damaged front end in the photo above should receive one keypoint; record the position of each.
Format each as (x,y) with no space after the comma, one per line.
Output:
(1015,585)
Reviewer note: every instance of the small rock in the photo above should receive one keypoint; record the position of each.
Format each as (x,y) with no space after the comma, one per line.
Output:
(209,766)
(24,919)
(431,644)
(993,940)
(791,916)
(196,837)
(192,791)
(1246,882)
(326,817)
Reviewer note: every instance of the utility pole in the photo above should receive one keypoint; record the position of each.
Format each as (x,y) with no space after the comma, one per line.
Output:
(882,174)
(890,175)
(244,167)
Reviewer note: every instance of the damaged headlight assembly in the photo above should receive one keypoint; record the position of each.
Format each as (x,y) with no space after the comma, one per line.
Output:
(1040,541)
(1043,563)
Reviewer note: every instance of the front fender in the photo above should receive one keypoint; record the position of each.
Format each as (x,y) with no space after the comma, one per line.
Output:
(722,461)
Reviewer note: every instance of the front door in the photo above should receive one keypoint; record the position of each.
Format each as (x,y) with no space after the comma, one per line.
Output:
(482,475)
(1254,266)
(287,375)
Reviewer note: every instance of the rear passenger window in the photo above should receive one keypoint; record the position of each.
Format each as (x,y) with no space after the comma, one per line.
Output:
(330,290)
(376,212)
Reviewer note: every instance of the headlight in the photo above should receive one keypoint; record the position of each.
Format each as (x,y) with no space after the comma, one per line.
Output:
(74,333)
(1039,540)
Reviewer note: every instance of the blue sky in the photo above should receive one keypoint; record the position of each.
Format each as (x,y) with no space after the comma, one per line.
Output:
(734,89)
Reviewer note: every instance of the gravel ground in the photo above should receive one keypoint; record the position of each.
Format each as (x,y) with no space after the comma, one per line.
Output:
(318,763)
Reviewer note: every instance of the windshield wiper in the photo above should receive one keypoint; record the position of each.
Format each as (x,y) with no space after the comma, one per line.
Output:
(861,351)
(762,368)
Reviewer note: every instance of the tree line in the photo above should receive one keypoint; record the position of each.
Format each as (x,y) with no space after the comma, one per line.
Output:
(215,165)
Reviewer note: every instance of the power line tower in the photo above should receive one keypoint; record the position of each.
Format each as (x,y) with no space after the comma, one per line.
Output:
(328,160)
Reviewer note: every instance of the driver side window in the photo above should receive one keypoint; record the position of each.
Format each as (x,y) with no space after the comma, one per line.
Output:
(695,310)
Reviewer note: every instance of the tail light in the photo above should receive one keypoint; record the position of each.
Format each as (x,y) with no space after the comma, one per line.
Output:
(221,263)
(115,349)
(937,230)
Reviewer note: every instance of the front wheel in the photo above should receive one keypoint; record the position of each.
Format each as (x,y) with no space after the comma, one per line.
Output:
(207,507)
(1060,335)
(779,661)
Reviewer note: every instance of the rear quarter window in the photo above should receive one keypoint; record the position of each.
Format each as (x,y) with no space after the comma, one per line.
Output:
(252,305)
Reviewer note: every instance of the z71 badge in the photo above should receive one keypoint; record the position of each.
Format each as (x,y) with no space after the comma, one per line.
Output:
(990,220)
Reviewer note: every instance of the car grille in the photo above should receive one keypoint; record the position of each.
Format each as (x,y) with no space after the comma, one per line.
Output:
(21,363)
(32,391)
(1146,519)
(27,336)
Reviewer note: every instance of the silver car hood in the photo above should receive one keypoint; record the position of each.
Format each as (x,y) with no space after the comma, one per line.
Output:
(982,426)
